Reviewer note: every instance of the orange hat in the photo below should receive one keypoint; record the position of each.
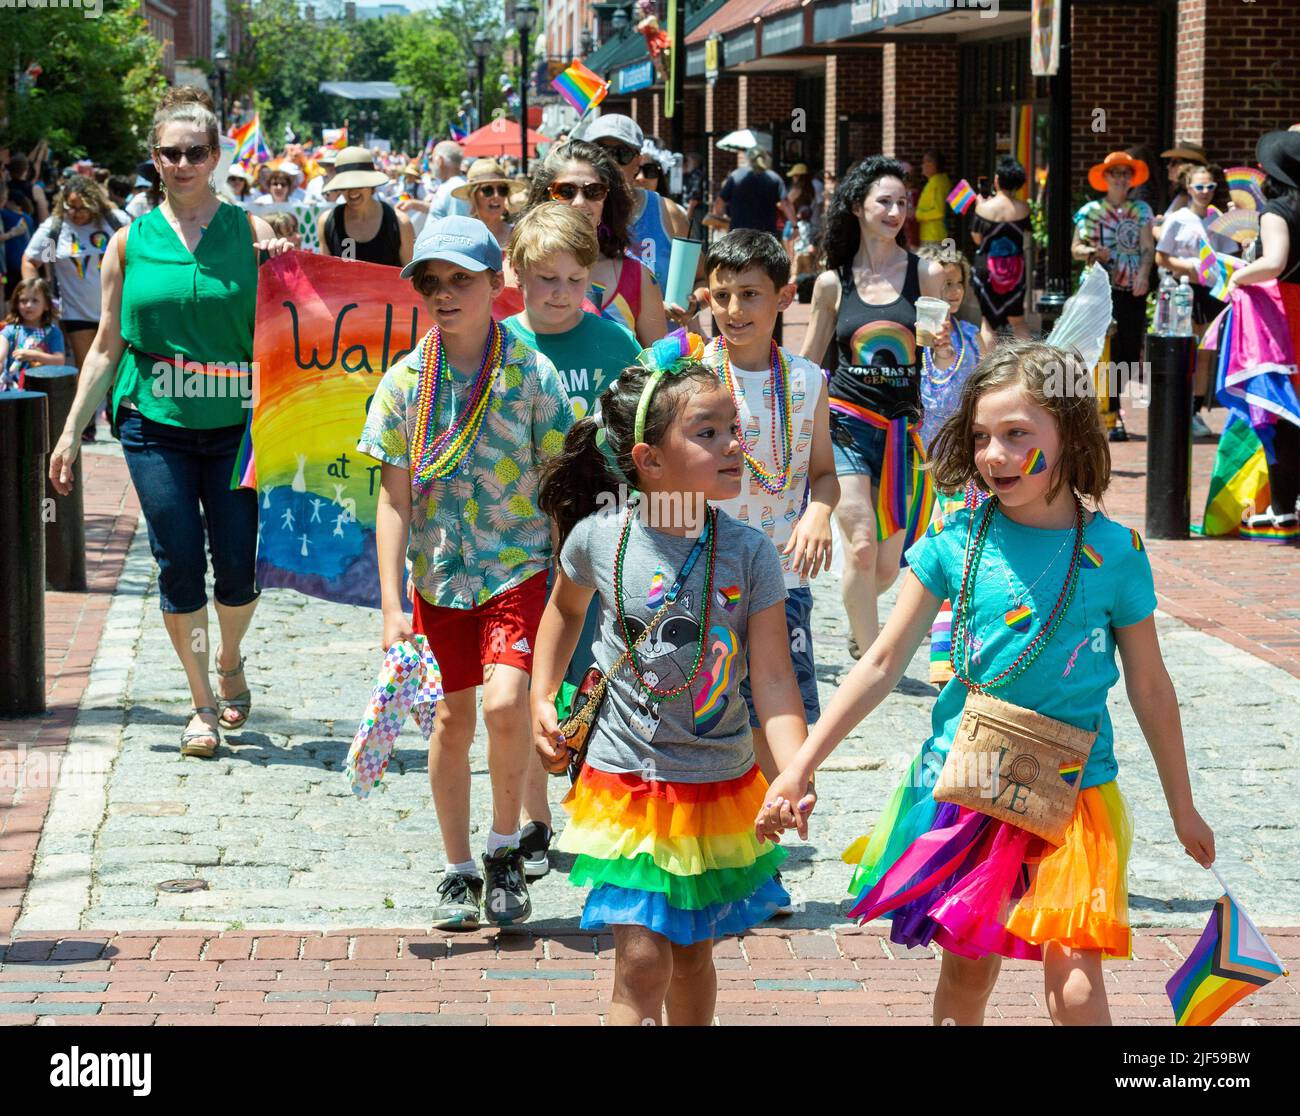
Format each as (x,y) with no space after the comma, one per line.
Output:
(1097,175)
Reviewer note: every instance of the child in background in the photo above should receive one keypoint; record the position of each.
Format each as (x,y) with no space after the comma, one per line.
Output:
(552,250)
(790,488)
(1050,591)
(285,225)
(462,425)
(660,813)
(29,335)
(944,369)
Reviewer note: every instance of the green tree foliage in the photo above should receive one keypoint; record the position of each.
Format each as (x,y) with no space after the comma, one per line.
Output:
(285,57)
(101,80)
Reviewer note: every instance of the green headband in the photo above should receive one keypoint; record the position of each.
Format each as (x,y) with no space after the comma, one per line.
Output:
(666,357)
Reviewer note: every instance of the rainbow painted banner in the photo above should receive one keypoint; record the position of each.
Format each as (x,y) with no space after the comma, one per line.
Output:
(326,331)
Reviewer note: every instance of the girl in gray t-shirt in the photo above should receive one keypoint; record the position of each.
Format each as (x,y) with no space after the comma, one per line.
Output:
(662,814)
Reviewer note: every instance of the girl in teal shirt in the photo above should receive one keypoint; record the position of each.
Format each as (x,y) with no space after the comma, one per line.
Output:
(1040,452)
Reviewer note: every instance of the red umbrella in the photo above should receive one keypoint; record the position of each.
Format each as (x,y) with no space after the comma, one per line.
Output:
(501,137)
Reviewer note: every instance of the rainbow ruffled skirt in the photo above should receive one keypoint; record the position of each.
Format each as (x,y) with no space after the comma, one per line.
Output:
(976,886)
(680,859)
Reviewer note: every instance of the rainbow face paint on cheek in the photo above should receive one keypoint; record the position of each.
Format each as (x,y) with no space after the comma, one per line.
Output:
(1035,463)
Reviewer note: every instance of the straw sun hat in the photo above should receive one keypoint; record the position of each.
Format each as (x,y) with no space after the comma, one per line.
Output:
(354,169)
(481,173)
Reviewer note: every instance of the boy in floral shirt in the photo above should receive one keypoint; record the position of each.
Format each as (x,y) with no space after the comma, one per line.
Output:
(462,426)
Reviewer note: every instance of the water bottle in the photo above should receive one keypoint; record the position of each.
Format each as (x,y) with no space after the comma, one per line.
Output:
(1164,304)
(1182,317)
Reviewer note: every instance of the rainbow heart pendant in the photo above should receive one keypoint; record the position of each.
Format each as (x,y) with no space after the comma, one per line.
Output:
(1019,619)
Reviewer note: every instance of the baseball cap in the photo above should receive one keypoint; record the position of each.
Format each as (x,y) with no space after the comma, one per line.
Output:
(461,240)
(613,125)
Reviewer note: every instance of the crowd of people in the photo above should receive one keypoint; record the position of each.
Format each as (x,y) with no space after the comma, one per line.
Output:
(941,453)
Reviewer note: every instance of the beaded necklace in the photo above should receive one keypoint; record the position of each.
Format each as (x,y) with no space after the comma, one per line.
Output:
(961,610)
(711,529)
(441,456)
(932,372)
(772,482)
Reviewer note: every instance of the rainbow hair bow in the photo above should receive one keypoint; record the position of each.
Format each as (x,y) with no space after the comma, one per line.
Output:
(666,357)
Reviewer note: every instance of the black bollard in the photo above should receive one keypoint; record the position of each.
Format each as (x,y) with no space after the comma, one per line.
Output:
(65,525)
(1169,436)
(23,446)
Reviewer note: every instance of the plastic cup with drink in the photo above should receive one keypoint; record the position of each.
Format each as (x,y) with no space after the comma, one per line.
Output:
(931,313)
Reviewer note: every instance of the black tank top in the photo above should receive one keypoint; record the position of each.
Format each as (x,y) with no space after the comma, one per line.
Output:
(879,363)
(385,248)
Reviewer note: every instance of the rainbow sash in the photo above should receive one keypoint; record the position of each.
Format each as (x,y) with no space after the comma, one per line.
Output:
(905,495)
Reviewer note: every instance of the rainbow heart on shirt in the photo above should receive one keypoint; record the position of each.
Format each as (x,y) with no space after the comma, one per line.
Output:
(1019,619)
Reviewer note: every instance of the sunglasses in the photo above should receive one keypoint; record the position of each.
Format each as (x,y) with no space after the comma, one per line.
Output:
(1119,172)
(494,191)
(1204,187)
(649,170)
(621,152)
(197,154)
(567,191)
(78,208)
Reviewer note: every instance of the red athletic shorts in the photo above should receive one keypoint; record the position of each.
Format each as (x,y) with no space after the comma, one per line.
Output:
(502,629)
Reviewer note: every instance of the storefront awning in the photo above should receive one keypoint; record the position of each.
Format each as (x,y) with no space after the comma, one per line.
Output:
(364,90)
(735,14)
(847,19)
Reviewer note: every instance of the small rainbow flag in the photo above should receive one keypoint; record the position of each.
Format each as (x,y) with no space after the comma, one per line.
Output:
(1018,618)
(583,89)
(729,597)
(941,635)
(1137,539)
(655,597)
(1091,559)
(1231,960)
(962,197)
(1035,463)
(1070,771)
(935,528)
(252,148)
(457,134)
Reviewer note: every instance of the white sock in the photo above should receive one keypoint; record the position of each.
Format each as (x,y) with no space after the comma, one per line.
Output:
(465,868)
(495,841)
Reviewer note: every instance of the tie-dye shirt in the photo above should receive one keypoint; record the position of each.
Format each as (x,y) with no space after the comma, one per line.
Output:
(702,735)
(1117,228)
(479,533)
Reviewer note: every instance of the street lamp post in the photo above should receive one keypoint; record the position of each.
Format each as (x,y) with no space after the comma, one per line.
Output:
(588,41)
(482,45)
(220,61)
(525,21)
(471,75)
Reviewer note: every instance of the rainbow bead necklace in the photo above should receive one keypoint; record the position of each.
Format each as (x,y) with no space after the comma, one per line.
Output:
(441,456)
(775,481)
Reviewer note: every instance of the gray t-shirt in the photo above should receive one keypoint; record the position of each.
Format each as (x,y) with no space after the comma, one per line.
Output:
(702,735)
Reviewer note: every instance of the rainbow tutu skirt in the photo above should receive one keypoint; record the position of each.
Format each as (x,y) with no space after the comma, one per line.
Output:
(976,885)
(680,859)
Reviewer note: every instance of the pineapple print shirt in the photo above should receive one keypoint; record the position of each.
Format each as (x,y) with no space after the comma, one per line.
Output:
(479,533)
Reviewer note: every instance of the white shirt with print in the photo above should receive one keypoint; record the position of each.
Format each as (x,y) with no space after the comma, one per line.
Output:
(776,515)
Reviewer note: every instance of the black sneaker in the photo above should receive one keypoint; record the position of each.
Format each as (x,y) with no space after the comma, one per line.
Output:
(1118,433)
(535,844)
(505,894)
(458,907)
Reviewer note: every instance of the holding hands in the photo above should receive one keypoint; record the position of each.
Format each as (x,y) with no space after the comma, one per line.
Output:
(789,801)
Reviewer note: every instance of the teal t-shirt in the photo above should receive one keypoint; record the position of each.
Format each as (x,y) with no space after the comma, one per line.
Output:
(1027,566)
(588,357)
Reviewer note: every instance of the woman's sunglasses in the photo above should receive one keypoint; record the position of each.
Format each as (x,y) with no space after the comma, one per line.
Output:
(649,170)
(197,154)
(567,191)
(1203,187)
(494,191)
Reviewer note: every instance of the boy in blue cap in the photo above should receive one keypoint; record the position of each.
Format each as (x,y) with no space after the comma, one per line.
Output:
(462,425)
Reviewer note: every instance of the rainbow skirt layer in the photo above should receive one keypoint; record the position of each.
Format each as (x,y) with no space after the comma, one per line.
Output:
(975,885)
(680,859)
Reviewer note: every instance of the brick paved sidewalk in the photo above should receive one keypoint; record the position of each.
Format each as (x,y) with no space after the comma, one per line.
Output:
(359,977)
(74,623)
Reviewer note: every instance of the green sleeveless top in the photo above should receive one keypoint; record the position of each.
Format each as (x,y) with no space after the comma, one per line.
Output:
(199,307)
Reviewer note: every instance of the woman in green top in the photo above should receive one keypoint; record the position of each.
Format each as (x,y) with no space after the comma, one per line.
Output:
(175,344)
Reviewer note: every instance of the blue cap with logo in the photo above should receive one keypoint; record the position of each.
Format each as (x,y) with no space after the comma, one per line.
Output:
(461,240)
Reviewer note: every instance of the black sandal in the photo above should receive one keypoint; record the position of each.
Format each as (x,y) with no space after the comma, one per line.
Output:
(241,703)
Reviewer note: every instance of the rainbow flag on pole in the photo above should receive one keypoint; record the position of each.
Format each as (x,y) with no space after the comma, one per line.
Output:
(252,149)
(583,89)
(1231,961)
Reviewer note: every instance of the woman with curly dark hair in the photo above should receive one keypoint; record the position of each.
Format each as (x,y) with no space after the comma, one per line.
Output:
(865,302)
(585,176)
